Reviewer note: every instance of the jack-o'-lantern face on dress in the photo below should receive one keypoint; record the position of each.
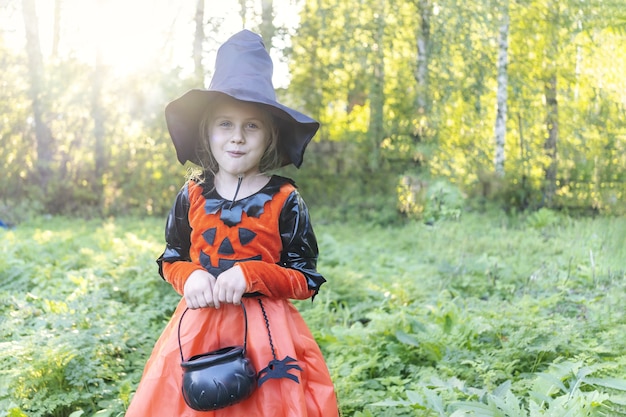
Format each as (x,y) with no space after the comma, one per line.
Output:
(238,135)
(227,232)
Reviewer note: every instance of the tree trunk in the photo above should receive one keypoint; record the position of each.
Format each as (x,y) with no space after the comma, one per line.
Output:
(243,7)
(267,29)
(550,94)
(198,42)
(423,44)
(501,114)
(43,134)
(97,113)
(377,98)
(56,29)
(550,145)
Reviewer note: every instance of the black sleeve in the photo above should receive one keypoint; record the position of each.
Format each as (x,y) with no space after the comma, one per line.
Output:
(300,250)
(177,231)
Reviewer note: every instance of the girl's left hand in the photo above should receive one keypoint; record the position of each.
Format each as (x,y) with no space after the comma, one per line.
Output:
(229,287)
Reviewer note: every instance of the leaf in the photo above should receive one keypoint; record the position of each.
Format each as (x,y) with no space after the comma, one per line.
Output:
(618,399)
(539,397)
(434,401)
(407,339)
(508,403)
(414,397)
(478,409)
(77,413)
(418,326)
(553,380)
(502,389)
(448,323)
(614,383)
(390,403)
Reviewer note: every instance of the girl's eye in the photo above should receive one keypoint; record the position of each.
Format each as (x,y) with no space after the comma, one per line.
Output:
(224,123)
(252,126)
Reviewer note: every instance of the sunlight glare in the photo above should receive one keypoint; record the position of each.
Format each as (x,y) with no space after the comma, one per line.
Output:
(133,36)
(128,34)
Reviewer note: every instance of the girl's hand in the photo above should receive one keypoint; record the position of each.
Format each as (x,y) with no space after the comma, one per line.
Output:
(229,287)
(198,290)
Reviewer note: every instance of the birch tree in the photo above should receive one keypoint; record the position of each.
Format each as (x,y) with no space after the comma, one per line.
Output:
(501,113)
(424,8)
(422,41)
(377,97)
(551,102)
(266,28)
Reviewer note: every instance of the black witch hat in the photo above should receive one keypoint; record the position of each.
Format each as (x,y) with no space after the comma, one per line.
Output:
(243,71)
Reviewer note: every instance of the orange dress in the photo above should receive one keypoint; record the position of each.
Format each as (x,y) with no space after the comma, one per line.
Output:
(270,236)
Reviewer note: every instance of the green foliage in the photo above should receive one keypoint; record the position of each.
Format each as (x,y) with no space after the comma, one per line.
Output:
(81,308)
(426,320)
(431,202)
(492,315)
(333,64)
(354,67)
(140,173)
(542,218)
(566,388)
(343,197)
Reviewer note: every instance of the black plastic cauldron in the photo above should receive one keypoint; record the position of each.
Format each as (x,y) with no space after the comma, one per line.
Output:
(220,378)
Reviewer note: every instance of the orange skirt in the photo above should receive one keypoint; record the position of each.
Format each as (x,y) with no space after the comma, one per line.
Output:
(159,393)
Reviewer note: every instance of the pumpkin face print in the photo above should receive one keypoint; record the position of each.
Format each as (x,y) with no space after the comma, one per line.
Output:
(239,236)
(225,233)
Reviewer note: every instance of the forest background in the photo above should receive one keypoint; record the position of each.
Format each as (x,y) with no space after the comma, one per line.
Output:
(519,103)
(475,148)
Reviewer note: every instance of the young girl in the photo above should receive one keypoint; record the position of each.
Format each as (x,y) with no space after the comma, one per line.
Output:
(237,235)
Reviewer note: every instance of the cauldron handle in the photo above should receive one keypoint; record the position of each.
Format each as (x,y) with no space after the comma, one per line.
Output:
(245,336)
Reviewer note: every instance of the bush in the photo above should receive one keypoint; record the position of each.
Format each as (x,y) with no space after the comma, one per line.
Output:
(429,201)
(83,305)
(502,316)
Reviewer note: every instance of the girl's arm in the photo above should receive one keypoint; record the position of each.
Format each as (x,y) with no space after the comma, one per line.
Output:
(175,265)
(295,275)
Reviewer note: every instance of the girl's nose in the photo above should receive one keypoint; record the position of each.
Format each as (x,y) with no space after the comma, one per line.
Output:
(237,136)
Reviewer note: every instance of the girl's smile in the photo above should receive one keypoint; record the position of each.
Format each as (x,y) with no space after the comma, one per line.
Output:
(238,137)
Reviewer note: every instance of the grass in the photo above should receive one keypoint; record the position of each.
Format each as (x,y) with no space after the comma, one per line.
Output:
(490,315)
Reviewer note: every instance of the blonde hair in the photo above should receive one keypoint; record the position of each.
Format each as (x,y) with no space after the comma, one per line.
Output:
(271,158)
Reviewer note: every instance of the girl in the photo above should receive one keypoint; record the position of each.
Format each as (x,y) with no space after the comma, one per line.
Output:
(237,235)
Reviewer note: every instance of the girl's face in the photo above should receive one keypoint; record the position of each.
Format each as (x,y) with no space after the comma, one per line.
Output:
(238,137)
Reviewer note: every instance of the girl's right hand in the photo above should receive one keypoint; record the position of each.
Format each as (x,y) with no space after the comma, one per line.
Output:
(198,289)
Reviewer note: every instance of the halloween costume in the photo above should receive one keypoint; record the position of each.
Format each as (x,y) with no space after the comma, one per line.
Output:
(269,236)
